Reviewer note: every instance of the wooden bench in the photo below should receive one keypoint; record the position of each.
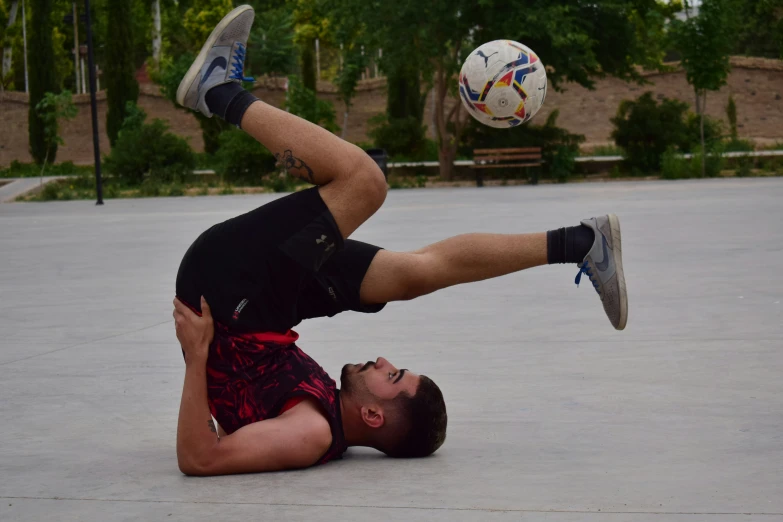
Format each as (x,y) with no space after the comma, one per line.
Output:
(506,158)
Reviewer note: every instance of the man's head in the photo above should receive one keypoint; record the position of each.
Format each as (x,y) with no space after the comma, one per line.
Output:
(403,414)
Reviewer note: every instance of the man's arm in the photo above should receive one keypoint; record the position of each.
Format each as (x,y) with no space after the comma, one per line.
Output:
(295,440)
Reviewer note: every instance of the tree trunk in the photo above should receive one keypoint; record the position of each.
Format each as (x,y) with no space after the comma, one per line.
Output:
(446,155)
(156,35)
(701,130)
(307,59)
(8,50)
(345,122)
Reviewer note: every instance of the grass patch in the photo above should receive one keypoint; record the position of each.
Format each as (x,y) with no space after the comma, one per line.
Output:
(83,187)
(31,170)
(606,150)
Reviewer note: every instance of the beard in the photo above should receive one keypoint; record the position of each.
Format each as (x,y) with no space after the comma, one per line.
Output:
(346,386)
(352,382)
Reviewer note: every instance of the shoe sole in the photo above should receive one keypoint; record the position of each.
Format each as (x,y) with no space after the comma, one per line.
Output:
(195,69)
(617,252)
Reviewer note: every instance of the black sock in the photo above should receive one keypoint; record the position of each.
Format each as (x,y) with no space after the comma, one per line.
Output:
(229,101)
(569,245)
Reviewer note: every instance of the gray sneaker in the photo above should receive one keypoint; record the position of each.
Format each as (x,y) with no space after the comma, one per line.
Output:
(603,264)
(221,60)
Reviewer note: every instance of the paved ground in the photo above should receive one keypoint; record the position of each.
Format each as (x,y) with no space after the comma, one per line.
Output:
(553,415)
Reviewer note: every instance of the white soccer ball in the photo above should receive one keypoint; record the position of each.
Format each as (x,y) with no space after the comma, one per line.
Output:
(502,84)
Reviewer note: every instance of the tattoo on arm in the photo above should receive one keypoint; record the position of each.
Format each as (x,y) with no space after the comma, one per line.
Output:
(295,166)
(212,426)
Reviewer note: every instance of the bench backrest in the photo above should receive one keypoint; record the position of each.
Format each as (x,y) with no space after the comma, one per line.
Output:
(509,154)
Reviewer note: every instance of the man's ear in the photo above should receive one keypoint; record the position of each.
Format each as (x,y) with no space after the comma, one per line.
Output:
(372,416)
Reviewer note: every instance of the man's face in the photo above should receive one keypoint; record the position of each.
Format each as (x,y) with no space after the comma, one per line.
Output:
(380,378)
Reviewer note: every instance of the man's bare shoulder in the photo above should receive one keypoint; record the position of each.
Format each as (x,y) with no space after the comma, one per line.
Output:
(309,416)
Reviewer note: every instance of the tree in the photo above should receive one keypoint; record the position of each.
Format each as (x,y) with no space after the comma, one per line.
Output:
(348,79)
(52,109)
(759,30)
(571,38)
(42,77)
(704,43)
(272,44)
(119,67)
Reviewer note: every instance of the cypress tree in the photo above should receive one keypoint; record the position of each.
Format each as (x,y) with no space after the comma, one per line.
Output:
(119,69)
(41,74)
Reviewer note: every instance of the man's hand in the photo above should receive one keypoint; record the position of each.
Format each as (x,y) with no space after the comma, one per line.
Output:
(193,332)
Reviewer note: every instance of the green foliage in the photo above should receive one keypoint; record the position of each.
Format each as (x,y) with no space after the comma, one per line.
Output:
(731,114)
(759,28)
(713,162)
(673,165)
(30,170)
(744,167)
(399,136)
(168,76)
(607,150)
(119,69)
(149,149)
(42,77)
(348,77)
(50,110)
(704,43)
(201,17)
(272,43)
(645,129)
(303,102)
(738,145)
(562,163)
(713,131)
(241,159)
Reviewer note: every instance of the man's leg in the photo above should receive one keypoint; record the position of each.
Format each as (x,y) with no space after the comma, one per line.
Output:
(595,246)
(398,276)
(351,184)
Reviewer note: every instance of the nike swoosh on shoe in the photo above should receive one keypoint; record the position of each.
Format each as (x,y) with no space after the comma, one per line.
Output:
(221,62)
(603,264)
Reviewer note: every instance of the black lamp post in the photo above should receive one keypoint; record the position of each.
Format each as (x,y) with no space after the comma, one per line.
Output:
(93,106)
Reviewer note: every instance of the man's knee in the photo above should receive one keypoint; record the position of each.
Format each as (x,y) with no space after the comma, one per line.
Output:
(372,182)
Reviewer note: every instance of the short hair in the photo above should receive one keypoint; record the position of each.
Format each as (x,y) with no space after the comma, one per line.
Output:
(423,418)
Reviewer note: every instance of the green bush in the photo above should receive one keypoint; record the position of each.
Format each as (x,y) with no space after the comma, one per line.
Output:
(713,163)
(744,167)
(562,163)
(281,182)
(738,145)
(51,191)
(150,187)
(241,159)
(175,190)
(402,138)
(713,132)
(148,149)
(645,129)
(673,165)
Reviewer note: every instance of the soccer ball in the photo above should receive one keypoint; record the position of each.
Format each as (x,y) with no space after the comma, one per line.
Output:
(502,83)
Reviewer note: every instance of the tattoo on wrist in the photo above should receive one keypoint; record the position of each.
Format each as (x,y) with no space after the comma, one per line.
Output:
(295,166)
(212,426)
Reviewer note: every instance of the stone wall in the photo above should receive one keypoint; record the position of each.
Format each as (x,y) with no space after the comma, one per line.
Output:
(757,86)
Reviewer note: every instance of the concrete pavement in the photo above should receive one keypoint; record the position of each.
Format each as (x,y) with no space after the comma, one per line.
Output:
(552,414)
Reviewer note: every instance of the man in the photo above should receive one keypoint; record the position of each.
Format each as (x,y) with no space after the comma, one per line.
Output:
(245,283)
